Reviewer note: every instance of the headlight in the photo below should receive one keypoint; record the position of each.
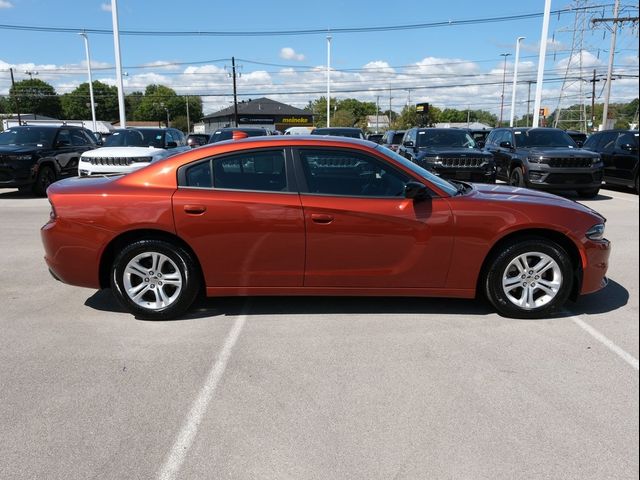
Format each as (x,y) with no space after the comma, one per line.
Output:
(596,232)
(537,159)
(20,157)
(143,159)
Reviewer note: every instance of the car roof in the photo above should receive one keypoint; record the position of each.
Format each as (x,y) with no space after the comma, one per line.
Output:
(31,125)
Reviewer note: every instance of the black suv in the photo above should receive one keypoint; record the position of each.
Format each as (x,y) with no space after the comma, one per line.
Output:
(350,132)
(33,157)
(448,152)
(392,139)
(619,152)
(226,133)
(544,158)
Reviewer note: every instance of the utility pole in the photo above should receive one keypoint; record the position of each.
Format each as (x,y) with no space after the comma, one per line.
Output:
(235,92)
(529,102)
(377,112)
(328,81)
(593,98)
(504,74)
(188,123)
(17,97)
(91,98)
(615,20)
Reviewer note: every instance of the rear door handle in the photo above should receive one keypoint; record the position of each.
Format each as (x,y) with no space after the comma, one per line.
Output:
(321,218)
(195,209)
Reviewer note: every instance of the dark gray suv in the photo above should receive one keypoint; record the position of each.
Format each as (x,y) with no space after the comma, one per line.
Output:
(544,158)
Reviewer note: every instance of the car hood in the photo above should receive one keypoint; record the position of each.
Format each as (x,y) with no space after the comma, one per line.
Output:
(558,152)
(518,195)
(457,152)
(125,152)
(18,149)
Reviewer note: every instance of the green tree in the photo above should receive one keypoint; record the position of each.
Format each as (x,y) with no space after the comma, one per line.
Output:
(131,103)
(35,96)
(158,100)
(76,105)
(343,118)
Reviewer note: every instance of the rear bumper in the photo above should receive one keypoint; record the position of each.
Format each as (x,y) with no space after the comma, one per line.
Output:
(72,252)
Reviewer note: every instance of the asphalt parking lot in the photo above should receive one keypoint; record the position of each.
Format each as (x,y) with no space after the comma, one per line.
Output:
(314,388)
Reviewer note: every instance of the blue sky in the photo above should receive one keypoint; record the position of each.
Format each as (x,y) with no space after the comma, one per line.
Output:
(434,56)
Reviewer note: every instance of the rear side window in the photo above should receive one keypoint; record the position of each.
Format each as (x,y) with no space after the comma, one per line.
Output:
(199,175)
(261,171)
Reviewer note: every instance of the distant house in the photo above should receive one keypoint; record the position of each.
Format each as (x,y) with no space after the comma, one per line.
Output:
(261,112)
(377,123)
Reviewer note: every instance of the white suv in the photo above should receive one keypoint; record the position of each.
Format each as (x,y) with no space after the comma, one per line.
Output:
(129,149)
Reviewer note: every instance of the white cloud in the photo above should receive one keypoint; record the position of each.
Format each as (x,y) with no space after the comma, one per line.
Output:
(289,53)
(5,4)
(105,7)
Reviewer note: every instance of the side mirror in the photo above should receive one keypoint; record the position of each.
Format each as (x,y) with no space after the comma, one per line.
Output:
(506,145)
(628,147)
(172,144)
(416,191)
(480,144)
(408,143)
(579,143)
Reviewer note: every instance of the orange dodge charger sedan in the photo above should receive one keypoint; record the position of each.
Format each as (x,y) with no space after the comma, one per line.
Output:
(300,215)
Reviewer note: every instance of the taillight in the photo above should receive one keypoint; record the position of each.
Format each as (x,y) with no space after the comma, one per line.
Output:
(52,214)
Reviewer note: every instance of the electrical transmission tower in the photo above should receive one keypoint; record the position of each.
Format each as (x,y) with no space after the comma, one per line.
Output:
(573,84)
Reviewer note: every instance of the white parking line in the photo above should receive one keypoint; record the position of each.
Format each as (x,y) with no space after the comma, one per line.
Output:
(185,438)
(627,357)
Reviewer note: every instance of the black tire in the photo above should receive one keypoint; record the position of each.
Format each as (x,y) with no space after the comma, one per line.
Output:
(637,186)
(589,192)
(180,263)
(500,266)
(516,177)
(46,176)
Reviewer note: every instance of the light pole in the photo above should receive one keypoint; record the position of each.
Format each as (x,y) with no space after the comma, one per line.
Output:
(93,104)
(328,81)
(515,82)
(116,49)
(541,59)
(504,75)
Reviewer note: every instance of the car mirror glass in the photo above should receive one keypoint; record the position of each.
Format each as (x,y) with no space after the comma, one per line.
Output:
(416,191)
(172,144)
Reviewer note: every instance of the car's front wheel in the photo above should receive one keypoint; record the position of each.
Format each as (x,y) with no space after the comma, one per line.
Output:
(529,278)
(589,192)
(155,279)
(516,177)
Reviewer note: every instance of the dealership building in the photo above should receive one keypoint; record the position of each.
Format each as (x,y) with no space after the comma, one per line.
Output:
(261,112)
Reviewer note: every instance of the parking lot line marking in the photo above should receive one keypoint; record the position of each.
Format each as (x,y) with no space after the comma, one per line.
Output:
(627,357)
(185,438)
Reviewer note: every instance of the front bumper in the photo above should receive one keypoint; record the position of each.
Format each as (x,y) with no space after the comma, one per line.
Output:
(550,178)
(595,263)
(87,168)
(16,174)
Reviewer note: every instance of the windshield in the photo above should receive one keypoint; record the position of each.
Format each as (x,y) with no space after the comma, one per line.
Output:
(437,181)
(28,136)
(445,138)
(136,138)
(397,138)
(543,138)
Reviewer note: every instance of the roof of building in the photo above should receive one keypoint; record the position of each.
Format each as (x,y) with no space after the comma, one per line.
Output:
(260,106)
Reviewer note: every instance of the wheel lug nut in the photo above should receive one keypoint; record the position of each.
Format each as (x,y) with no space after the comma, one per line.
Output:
(533,284)
(159,283)
(153,286)
(151,272)
(159,275)
(523,276)
(146,279)
(537,277)
(530,272)
(524,284)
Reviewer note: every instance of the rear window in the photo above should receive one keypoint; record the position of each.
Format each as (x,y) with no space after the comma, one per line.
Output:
(397,138)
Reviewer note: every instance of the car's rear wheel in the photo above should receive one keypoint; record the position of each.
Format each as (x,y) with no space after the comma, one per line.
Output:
(589,192)
(516,177)
(529,278)
(46,176)
(155,279)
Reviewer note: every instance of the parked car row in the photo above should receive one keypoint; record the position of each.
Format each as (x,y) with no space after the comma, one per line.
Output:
(33,157)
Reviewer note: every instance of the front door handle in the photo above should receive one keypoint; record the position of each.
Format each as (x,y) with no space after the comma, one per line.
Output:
(321,218)
(195,209)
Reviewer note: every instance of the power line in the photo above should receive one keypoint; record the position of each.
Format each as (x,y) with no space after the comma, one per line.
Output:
(312,31)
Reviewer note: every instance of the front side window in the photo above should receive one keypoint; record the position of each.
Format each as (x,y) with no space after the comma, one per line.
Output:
(64,138)
(346,173)
(261,171)
(628,139)
(78,138)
